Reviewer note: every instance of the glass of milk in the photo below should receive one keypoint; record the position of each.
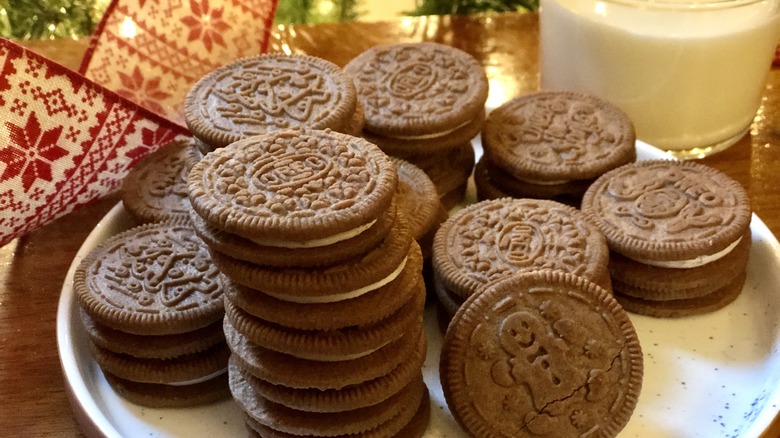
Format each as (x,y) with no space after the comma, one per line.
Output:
(690,73)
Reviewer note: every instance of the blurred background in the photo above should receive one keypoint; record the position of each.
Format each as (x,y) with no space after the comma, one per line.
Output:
(47,19)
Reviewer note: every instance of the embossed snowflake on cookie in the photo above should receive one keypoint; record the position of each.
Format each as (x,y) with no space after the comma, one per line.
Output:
(541,354)
(493,239)
(417,89)
(269,92)
(665,211)
(154,279)
(294,186)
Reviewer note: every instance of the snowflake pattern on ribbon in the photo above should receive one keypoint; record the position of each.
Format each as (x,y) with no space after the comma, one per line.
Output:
(152,52)
(63,141)
(67,139)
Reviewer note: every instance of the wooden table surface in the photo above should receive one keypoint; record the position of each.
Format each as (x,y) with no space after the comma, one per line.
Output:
(33,401)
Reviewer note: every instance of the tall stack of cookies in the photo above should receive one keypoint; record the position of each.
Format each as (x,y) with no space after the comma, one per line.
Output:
(324,298)
(551,145)
(679,235)
(424,102)
(269,92)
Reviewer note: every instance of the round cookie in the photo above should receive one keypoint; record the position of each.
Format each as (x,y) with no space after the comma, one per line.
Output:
(549,137)
(155,189)
(541,353)
(299,187)
(418,89)
(269,92)
(668,213)
(494,239)
(155,279)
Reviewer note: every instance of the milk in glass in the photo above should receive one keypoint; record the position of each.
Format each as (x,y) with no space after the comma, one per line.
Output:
(690,77)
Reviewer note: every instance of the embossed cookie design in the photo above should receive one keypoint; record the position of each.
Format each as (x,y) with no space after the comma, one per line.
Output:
(551,143)
(666,210)
(493,239)
(679,233)
(293,186)
(266,93)
(541,354)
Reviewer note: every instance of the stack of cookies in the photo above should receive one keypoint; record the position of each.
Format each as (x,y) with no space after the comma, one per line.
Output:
(152,304)
(324,298)
(493,239)
(424,102)
(269,92)
(679,233)
(551,145)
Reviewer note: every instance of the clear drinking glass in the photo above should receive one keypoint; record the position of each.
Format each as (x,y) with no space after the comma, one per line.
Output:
(690,73)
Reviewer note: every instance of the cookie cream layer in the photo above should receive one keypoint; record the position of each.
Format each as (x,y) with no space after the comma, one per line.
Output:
(345,295)
(343,357)
(315,243)
(433,134)
(205,378)
(690,263)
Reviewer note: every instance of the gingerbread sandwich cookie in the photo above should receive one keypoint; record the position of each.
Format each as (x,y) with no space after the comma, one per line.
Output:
(541,353)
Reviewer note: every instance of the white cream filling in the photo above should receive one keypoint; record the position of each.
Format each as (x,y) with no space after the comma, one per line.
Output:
(200,379)
(691,263)
(315,243)
(328,358)
(544,183)
(432,135)
(342,296)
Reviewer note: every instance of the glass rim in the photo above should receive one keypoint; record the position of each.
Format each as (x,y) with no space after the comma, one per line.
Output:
(685,5)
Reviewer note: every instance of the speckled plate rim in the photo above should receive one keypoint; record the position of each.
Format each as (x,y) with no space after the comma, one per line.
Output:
(721,371)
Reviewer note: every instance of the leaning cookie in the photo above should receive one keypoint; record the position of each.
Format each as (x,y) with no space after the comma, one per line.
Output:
(296,188)
(674,219)
(151,301)
(155,189)
(555,143)
(493,239)
(543,353)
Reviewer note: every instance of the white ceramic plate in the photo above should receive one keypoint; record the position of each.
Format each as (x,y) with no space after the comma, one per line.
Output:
(715,375)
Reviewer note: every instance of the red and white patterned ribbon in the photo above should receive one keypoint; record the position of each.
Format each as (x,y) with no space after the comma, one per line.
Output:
(68,139)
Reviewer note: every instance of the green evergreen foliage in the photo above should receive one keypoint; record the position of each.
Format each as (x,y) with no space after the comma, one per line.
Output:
(44,19)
